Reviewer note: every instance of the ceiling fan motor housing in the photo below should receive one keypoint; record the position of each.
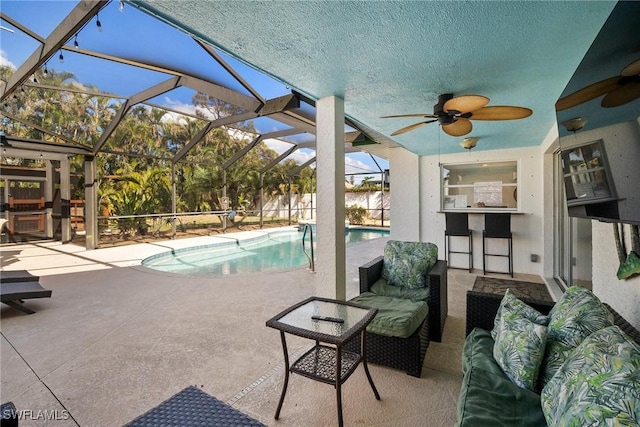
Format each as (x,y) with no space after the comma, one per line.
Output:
(444,117)
(439,107)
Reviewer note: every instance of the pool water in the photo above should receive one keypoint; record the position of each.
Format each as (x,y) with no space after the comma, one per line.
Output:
(269,252)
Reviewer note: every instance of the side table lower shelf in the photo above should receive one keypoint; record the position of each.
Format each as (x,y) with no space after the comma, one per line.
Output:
(319,363)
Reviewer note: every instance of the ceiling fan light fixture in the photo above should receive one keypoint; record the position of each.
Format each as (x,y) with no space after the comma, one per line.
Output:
(469,142)
(575,124)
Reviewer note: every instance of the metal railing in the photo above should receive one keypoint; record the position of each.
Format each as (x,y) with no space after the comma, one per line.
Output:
(308,227)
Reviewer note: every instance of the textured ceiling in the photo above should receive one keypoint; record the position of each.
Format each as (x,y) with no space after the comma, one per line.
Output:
(395,57)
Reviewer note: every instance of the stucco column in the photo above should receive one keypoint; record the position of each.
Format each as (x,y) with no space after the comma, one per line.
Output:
(65,199)
(174,200)
(48,200)
(90,203)
(406,194)
(331,264)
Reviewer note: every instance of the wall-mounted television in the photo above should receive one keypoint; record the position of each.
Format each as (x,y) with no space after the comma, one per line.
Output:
(587,177)
(602,177)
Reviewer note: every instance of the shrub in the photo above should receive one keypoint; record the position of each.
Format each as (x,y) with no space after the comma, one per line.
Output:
(355,214)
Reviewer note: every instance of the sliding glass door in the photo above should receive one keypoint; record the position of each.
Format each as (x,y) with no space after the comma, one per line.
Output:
(572,239)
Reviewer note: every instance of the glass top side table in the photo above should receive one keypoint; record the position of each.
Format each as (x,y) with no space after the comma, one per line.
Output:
(331,322)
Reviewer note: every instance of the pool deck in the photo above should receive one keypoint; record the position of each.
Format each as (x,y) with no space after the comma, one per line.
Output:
(116,339)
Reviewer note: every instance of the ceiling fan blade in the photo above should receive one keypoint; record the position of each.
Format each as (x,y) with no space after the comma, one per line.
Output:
(409,115)
(466,103)
(412,127)
(460,127)
(587,93)
(501,112)
(622,95)
(632,69)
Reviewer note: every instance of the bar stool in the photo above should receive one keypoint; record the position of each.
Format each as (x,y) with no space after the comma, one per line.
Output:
(497,226)
(457,226)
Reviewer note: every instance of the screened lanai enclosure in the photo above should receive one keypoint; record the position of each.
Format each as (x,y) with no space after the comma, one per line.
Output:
(117,125)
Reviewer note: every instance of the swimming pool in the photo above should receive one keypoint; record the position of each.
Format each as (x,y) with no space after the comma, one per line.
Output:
(270,251)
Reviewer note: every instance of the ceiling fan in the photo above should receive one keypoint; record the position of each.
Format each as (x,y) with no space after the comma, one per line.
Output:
(619,90)
(455,114)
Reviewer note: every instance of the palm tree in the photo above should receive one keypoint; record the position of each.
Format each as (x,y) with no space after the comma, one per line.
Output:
(137,193)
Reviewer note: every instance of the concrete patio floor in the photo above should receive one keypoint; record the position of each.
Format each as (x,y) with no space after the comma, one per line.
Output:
(116,339)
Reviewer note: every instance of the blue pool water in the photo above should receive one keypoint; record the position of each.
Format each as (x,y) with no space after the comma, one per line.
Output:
(278,250)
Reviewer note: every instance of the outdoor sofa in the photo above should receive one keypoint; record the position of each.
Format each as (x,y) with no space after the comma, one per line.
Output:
(565,364)
(408,286)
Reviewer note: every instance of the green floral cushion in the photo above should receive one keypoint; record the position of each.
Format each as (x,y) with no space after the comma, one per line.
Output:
(574,317)
(513,308)
(597,385)
(555,354)
(406,263)
(396,317)
(381,287)
(519,349)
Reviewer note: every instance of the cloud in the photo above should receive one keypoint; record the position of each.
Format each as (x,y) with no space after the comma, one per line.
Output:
(4,61)
(302,156)
(180,106)
(299,156)
(277,145)
(356,166)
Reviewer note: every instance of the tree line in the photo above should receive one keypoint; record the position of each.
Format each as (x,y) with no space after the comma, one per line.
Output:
(134,166)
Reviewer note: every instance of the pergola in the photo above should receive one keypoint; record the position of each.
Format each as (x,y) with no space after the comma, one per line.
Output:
(281,115)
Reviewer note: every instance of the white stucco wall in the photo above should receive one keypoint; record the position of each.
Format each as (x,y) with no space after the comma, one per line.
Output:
(526,226)
(622,295)
(405,192)
(549,228)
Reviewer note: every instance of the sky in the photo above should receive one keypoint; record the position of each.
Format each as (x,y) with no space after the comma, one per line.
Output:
(132,34)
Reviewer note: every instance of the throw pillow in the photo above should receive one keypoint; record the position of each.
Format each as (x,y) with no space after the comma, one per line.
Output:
(574,317)
(519,349)
(598,383)
(513,308)
(406,263)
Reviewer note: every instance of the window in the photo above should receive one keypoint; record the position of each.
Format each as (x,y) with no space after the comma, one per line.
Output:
(480,186)
(586,174)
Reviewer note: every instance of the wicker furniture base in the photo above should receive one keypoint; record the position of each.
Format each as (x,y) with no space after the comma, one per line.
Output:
(521,289)
(319,364)
(483,301)
(405,354)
